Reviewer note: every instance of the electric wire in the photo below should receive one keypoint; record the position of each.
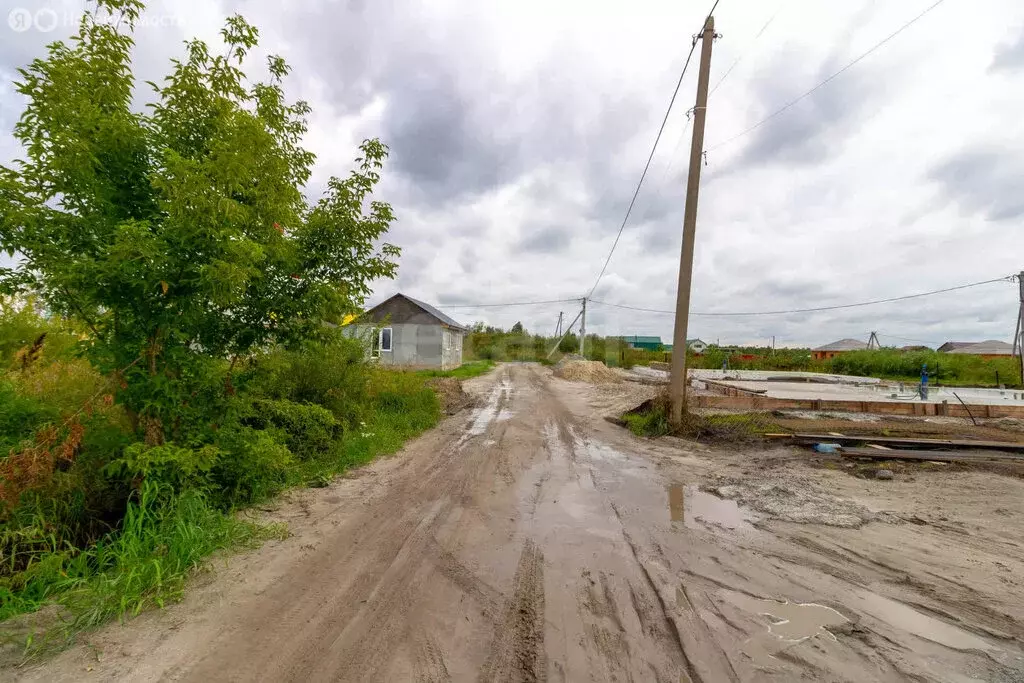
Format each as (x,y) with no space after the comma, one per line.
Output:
(650,157)
(509,303)
(826,81)
(909,339)
(682,135)
(815,309)
(743,54)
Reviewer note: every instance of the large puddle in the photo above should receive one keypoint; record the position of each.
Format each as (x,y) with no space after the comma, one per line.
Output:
(791,621)
(696,509)
(908,619)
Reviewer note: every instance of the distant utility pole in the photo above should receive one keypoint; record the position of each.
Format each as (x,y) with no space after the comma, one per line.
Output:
(564,334)
(873,342)
(677,389)
(1018,336)
(558,326)
(583,329)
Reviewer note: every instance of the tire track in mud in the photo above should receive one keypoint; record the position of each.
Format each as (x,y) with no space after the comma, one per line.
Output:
(517,652)
(429,665)
(930,596)
(353,631)
(696,637)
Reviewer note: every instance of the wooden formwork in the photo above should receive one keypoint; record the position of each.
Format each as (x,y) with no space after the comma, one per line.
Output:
(915,408)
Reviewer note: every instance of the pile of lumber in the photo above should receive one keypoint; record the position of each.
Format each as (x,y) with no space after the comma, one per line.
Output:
(899,448)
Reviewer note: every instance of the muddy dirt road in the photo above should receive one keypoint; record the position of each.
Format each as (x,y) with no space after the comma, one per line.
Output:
(531,540)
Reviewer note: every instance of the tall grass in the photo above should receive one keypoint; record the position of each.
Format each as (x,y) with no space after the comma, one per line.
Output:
(467,370)
(163,538)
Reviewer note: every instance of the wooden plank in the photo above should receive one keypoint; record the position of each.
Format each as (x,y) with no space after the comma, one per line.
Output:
(879,407)
(908,442)
(937,456)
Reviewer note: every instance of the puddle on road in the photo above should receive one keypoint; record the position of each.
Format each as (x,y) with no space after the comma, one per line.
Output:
(696,508)
(791,621)
(906,618)
(795,622)
(492,410)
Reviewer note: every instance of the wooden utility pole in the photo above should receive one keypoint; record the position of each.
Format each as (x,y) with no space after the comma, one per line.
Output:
(564,334)
(583,329)
(677,389)
(1018,336)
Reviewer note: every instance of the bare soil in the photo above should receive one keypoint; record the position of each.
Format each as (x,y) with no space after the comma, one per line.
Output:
(451,394)
(531,540)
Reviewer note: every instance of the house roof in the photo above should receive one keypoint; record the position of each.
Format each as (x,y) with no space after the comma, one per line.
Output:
(950,345)
(844,345)
(694,341)
(637,339)
(447,320)
(441,317)
(990,347)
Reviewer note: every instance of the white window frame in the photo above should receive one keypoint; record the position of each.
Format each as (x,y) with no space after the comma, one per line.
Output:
(375,343)
(380,340)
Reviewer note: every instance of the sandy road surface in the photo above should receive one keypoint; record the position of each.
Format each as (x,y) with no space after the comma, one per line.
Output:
(530,540)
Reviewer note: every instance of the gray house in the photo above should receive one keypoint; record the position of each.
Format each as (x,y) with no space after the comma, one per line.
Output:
(404,332)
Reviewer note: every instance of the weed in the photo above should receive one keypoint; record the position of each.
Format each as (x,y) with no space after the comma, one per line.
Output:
(163,538)
(650,418)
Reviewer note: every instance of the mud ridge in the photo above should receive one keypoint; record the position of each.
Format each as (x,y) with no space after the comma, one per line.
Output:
(517,651)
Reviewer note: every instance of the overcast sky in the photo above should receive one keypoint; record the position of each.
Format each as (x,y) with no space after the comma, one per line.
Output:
(518,131)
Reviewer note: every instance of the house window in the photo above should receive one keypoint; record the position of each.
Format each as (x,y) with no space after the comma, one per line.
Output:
(385,339)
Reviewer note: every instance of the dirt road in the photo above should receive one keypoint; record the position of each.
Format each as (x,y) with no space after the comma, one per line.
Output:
(531,540)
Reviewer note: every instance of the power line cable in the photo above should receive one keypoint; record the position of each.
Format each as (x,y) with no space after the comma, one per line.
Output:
(743,54)
(828,80)
(920,341)
(650,157)
(682,135)
(816,309)
(510,303)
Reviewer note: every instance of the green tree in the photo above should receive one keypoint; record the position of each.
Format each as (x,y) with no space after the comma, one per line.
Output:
(180,236)
(570,344)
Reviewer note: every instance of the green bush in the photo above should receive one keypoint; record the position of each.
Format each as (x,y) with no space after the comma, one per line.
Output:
(309,429)
(20,416)
(167,464)
(254,465)
(330,373)
(21,327)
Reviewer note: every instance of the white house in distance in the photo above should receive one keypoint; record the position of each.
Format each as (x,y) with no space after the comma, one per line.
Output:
(405,332)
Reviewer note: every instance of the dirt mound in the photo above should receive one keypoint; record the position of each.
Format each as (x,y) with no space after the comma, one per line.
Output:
(449,392)
(591,371)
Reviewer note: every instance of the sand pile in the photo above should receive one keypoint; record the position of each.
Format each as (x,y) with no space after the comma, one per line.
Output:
(591,371)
